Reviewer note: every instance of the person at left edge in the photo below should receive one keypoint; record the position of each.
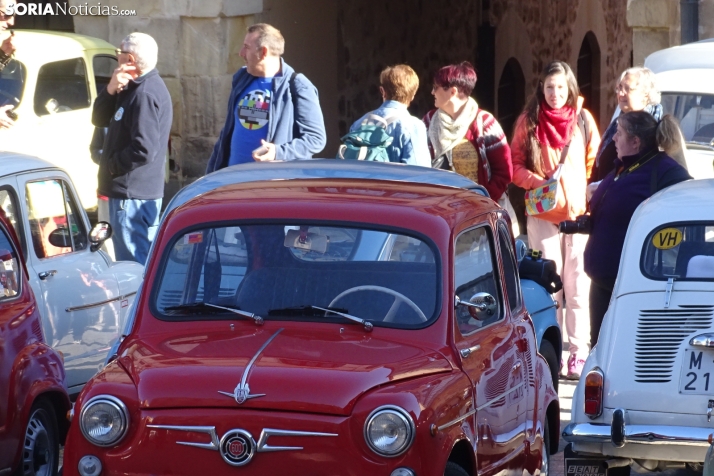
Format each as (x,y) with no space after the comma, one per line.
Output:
(136,109)
(7,48)
(273,112)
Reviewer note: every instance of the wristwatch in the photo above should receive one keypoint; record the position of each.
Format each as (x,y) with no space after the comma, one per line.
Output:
(4,59)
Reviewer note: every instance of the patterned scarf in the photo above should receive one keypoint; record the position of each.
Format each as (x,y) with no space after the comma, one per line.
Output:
(445,132)
(555,126)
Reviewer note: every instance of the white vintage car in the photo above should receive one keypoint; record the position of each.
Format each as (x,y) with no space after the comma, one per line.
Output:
(52,81)
(646,397)
(82,293)
(685,76)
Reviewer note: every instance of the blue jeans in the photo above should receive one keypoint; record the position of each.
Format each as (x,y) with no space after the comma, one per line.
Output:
(134,224)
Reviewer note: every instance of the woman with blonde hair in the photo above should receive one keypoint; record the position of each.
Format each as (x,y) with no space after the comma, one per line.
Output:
(636,91)
(553,129)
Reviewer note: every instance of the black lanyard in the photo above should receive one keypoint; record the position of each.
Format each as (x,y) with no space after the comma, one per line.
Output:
(636,165)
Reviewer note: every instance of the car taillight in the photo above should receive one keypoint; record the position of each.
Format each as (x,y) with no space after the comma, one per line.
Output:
(593,393)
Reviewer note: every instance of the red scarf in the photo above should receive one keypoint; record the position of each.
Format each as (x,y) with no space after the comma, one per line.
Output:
(555,126)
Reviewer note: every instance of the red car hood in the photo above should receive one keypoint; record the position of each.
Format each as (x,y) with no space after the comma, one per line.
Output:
(323,371)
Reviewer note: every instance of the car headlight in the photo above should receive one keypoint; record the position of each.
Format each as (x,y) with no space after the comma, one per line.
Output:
(389,431)
(104,420)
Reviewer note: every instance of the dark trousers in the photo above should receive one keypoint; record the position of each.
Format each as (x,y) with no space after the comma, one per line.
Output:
(600,294)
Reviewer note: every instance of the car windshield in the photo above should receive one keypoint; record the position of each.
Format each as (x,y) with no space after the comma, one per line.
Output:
(278,271)
(695,113)
(680,251)
(12,83)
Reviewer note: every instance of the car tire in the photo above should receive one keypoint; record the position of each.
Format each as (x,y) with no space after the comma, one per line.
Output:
(40,452)
(453,469)
(547,350)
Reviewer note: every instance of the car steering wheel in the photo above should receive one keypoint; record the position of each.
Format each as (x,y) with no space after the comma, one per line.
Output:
(399,298)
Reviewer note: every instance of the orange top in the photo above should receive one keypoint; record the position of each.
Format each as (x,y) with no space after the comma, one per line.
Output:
(576,169)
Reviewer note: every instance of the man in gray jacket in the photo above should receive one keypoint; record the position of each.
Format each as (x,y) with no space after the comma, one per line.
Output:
(273,112)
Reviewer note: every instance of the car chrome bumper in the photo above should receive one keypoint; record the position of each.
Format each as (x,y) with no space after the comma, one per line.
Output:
(642,434)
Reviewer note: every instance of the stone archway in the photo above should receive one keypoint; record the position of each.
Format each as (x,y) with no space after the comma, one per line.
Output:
(511,95)
(588,74)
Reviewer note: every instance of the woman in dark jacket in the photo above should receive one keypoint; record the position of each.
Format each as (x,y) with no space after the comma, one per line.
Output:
(641,170)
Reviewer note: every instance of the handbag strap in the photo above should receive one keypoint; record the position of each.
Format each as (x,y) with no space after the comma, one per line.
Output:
(563,156)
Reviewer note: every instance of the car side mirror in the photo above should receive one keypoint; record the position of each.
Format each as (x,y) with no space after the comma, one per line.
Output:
(99,233)
(481,306)
(521,250)
(60,238)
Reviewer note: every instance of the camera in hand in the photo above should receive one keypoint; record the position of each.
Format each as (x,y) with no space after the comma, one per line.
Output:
(580,225)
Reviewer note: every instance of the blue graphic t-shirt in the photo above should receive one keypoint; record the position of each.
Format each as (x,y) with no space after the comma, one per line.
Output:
(251,121)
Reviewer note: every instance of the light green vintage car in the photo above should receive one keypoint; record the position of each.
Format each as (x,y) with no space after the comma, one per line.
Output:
(53,81)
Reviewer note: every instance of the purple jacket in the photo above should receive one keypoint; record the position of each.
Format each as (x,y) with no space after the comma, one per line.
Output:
(615,201)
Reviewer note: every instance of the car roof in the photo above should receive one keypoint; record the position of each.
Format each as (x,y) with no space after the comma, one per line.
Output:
(322,169)
(418,206)
(34,44)
(697,55)
(687,81)
(13,163)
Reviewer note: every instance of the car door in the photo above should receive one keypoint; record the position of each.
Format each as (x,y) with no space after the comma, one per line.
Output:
(13,338)
(81,304)
(489,354)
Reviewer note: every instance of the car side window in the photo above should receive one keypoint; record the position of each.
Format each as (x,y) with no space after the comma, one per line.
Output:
(475,272)
(61,86)
(103,66)
(510,273)
(9,268)
(56,227)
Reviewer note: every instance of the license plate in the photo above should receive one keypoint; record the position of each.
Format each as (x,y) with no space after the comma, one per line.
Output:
(581,465)
(697,377)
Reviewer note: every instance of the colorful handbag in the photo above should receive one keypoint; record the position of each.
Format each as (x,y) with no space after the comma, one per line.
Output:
(550,196)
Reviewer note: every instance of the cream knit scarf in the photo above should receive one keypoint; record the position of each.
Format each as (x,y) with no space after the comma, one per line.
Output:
(445,132)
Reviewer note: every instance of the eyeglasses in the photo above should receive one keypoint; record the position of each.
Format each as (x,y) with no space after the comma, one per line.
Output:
(623,88)
(119,51)
(5,17)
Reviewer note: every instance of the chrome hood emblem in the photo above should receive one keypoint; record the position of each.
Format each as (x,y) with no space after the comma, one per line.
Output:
(242,392)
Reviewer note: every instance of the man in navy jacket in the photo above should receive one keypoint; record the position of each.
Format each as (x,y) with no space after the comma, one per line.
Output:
(273,112)
(136,108)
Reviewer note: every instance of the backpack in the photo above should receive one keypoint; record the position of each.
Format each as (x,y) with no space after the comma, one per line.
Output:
(369,142)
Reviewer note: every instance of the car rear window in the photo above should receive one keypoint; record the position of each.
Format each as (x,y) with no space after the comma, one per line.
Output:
(684,251)
(287,271)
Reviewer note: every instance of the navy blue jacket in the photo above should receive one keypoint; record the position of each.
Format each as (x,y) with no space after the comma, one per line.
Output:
(614,202)
(297,131)
(139,123)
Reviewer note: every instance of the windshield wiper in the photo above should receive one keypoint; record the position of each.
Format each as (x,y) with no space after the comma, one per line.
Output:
(309,311)
(367,325)
(201,307)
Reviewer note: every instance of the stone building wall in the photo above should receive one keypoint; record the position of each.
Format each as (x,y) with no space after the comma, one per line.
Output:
(199,41)
(428,35)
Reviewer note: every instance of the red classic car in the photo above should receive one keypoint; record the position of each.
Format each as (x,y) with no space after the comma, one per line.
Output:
(323,327)
(33,394)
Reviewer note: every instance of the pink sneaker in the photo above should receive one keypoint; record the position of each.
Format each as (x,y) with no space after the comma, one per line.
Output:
(575,367)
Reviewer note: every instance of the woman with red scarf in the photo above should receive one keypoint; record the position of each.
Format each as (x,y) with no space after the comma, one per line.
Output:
(553,119)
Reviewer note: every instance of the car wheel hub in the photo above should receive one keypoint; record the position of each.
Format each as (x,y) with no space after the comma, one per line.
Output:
(36,453)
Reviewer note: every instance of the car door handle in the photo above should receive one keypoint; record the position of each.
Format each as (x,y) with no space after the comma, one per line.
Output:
(46,274)
(466,352)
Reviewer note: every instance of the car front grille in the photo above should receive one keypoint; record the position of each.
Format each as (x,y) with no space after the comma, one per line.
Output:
(660,332)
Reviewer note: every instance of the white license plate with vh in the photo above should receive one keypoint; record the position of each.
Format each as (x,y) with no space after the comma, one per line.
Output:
(697,377)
